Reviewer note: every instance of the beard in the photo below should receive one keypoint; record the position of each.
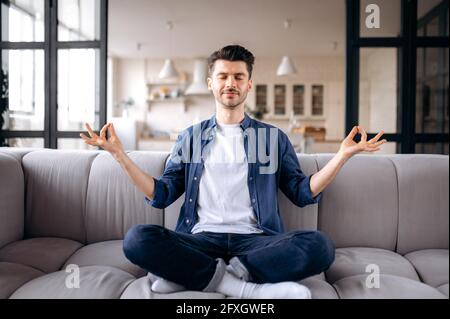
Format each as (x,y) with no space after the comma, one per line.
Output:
(234,102)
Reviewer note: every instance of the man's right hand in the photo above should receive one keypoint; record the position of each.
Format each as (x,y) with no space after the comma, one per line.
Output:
(144,182)
(111,144)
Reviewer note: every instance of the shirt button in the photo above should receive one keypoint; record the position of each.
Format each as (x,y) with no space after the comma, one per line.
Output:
(195,178)
(251,178)
(253,200)
(188,221)
(190,199)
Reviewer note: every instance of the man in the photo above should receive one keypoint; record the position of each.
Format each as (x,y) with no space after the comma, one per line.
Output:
(229,236)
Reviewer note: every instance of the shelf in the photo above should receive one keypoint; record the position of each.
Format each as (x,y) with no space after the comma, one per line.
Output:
(151,84)
(168,100)
(172,89)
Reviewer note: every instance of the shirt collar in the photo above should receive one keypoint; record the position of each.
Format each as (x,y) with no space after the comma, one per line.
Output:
(244,124)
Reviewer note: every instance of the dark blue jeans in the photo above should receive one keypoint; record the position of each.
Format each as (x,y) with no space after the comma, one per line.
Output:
(193,260)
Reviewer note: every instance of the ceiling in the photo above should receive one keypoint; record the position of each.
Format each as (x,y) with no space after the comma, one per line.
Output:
(202,26)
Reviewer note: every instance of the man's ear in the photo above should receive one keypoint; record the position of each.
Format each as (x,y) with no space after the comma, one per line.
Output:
(250,84)
(209,80)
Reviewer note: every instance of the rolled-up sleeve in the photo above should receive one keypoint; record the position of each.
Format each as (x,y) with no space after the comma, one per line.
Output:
(171,185)
(293,182)
(162,197)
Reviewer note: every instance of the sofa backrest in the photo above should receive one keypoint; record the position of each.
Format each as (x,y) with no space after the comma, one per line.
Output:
(359,208)
(368,204)
(81,195)
(395,202)
(113,203)
(56,191)
(423,201)
(11,199)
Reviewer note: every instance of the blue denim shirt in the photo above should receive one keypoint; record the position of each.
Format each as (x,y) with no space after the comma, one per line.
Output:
(265,174)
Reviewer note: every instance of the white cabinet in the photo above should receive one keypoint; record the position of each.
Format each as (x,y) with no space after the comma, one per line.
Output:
(283,101)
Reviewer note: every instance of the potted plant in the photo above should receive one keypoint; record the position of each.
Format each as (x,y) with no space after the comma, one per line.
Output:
(126,105)
(3,103)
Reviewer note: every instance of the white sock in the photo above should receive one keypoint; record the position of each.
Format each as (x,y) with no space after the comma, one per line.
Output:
(234,287)
(164,286)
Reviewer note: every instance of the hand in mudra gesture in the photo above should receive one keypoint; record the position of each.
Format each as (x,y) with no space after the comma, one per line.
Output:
(349,147)
(111,144)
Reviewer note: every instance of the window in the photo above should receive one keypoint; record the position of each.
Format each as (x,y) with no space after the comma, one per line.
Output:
(23,21)
(432,90)
(78,88)
(78,20)
(378,94)
(408,68)
(53,71)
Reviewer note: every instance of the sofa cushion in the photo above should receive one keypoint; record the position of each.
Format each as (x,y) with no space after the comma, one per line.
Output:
(105,253)
(96,282)
(391,287)
(353,261)
(443,289)
(432,265)
(319,288)
(44,254)
(114,204)
(11,199)
(423,201)
(56,186)
(360,206)
(141,289)
(12,276)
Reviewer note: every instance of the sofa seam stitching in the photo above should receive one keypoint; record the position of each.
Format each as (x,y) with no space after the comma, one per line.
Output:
(398,204)
(86,197)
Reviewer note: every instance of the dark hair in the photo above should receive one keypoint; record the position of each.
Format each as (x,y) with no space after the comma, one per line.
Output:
(232,53)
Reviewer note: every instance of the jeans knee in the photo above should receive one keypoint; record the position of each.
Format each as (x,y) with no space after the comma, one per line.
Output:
(326,246)
(133,242)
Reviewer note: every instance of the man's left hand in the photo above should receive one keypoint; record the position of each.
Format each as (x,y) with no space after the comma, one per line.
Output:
(349,147)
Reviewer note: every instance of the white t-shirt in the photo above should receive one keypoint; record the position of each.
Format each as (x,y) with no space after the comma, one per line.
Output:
(223,204)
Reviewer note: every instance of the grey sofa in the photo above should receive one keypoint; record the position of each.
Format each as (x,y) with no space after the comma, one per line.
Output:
(58,208)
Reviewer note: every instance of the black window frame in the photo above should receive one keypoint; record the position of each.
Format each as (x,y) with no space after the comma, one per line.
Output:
(50,45)
(407,44)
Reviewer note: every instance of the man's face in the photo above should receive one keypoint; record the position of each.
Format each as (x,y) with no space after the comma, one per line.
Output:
(230,83)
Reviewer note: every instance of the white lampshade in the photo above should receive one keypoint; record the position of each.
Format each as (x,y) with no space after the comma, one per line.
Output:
(286,67)
(168,70)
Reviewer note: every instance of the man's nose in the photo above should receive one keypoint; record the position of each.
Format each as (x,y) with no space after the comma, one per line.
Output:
(231,82)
